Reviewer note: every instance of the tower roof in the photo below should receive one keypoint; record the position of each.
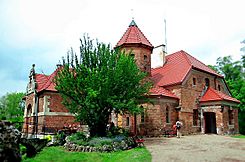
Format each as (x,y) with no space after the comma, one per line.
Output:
(133,35)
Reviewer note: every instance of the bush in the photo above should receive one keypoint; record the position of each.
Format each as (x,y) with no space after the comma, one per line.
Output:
(79,138)
(100,141)
(78,142)
(22,149)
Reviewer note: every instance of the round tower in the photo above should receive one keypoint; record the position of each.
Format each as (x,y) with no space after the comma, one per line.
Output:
(134,41)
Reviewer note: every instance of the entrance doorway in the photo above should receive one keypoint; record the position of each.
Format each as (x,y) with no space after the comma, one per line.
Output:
(210,122)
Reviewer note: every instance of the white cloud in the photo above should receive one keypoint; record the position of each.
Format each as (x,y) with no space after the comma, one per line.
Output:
(205,29)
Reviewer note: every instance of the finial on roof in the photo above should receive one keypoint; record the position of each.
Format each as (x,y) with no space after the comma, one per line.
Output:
(32,73)
(132,23)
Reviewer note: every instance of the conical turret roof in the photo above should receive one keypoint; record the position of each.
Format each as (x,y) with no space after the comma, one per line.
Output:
(133,35)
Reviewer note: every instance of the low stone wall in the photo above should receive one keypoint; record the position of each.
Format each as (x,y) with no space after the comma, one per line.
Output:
(9,142)
(115,146)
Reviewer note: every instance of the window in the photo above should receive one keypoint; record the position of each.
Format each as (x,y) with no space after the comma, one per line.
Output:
(28,110)
(145,58)
(219,88)
(142,117)
(206,82)
(230,113)
(167,115)
(127,121)
(194,81)
(195,117)
(132,55)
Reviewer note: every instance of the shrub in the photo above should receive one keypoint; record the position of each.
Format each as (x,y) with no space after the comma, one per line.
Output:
(79,138)
(100,141)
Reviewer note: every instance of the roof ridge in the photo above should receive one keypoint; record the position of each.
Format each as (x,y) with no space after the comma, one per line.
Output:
(49,81)
(201,63)
(128,30)
(187,59)
(144,36)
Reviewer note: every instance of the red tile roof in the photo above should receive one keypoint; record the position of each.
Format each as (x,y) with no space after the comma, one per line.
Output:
(45,82)
(159,91)
(133,35)
(214,95)
(176,68)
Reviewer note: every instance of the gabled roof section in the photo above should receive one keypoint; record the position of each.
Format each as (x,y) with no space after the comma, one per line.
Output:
(133,35)
(41,80)
(46,83)
(214,95)
(160,91)
(176,68)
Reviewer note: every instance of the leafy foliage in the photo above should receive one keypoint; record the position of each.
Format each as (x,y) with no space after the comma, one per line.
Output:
(12,108)
(234,76)
(99,81)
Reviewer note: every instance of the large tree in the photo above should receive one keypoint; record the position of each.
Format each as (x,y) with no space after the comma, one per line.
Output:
(12,108)
(234,76)
(98,82)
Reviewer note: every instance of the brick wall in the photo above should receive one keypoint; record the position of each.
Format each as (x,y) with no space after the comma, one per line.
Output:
(139,54)
(189,95)
(154,122)
(54,105)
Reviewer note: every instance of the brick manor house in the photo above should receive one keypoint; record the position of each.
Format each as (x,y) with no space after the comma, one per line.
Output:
(184,89)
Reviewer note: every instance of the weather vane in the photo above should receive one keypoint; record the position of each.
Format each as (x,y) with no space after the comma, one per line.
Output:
(132,14)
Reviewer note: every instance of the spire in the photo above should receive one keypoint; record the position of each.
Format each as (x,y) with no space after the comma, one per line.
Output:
(133,35)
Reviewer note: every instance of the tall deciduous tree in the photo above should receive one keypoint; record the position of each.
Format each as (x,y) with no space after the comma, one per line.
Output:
(234,76)
(12,108)
(99,81)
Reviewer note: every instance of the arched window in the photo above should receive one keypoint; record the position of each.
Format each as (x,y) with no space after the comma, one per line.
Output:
(219,87)
(28,114)
(127,121)
(206,82)
(145,58)
(167,115)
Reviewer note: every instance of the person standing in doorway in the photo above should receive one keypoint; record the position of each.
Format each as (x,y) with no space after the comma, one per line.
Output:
(178,125)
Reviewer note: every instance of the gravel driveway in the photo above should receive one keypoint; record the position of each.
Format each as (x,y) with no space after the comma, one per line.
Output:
(197,148)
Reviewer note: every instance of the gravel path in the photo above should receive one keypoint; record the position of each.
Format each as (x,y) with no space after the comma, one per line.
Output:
(197,148)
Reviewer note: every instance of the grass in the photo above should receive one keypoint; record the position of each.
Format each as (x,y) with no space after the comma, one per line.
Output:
(59,154)
(239,136)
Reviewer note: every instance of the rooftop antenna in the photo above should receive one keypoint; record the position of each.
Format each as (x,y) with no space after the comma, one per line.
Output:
(165,30)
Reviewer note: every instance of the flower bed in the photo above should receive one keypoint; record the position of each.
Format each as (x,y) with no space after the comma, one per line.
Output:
(99,144)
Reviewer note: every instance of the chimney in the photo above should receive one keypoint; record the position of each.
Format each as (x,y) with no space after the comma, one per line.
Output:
(158,56)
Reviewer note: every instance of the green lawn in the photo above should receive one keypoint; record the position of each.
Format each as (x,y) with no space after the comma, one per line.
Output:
(239,136)
(58,154)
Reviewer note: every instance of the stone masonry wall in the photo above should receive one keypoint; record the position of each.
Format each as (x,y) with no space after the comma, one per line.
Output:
(154,123)
(190,95)
(139,53)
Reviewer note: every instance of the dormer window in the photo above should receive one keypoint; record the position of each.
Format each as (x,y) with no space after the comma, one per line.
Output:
(206,82)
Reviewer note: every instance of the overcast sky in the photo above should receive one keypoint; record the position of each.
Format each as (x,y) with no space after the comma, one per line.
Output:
(42,31)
